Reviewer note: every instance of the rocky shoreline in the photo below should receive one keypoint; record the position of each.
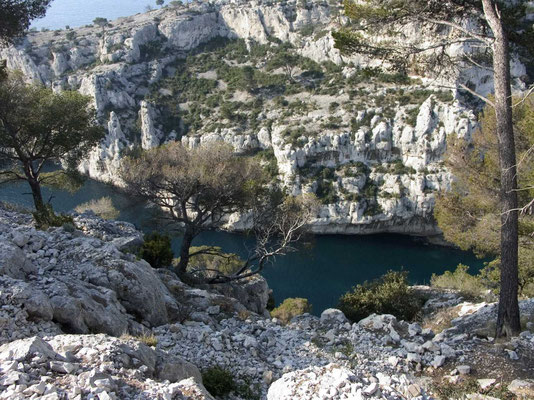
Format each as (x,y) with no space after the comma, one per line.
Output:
(77,309)
(372,148)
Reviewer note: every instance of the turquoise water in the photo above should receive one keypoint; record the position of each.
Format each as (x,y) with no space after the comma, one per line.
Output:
(320,272)
(82,12)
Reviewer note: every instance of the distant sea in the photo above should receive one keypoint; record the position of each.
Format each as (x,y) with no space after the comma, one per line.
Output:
(77,13)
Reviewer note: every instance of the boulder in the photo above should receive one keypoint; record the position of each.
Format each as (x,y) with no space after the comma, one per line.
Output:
(25,349)
(175,369)
(522,388)
(13,261)
(333,316)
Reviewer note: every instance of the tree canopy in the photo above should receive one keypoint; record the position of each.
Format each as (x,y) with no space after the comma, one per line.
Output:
(469,214)
(16,16)
(39,126)
(199,188)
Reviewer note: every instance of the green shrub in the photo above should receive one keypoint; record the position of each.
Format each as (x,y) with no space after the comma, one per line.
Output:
(218,381)
(47,218)
(102,207)
(326,192)
(411,116)
(468,285)
(269,162)
(290,308)
(389,294)
(332,108)
(205,260)
(156,250)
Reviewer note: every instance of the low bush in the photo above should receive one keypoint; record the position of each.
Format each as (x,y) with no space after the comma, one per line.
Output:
(102,207)
(205,261)
(47,218)
(156,250)
(290,308)
(389,294)
(469,286)
(147,338)
(218,381)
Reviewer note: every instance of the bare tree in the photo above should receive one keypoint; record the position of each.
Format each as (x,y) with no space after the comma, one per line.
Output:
(197,187)
(277,227)
(498,23)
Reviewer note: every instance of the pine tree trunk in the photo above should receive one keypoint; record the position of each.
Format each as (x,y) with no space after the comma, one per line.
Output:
(37,196)
(184,251)
(508,323)
(35,186)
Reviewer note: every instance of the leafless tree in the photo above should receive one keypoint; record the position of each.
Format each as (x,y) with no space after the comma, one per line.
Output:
(277,227)
(197,187)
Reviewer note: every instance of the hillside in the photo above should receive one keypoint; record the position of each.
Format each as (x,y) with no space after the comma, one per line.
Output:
(265,77)
(82,317)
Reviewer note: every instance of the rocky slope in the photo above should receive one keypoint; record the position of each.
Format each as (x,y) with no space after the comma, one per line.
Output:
(369,143)
(67,294)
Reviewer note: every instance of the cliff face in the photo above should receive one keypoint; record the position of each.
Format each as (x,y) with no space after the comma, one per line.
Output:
(369,143)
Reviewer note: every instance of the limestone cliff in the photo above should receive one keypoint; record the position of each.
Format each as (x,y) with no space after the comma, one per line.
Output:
(368,142)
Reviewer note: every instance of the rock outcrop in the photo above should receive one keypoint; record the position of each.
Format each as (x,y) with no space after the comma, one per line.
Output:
(94,366)
(81,281)
(81,318)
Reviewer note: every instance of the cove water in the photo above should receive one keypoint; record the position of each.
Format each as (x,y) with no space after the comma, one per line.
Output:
(77,13)
(321,272)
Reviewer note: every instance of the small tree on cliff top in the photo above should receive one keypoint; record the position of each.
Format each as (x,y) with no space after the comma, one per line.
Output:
(38,126)
(499,24)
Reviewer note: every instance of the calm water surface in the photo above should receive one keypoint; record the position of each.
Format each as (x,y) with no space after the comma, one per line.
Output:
(321,272)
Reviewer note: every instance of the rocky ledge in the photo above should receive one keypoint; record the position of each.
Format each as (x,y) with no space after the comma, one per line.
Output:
(82,318)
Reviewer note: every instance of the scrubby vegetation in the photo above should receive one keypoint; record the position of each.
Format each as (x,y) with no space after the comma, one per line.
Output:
(469,286)
(207,261)
(147,338)
(102,207)
(391,294)
(290,308)
(224,84)
(156,250)
(218,381)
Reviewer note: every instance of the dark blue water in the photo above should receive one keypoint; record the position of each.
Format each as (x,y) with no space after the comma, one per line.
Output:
(320,272)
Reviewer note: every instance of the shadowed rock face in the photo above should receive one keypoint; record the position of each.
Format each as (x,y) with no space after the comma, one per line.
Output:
(124,67)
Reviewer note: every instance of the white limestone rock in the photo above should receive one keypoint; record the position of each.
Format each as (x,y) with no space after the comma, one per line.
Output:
(333,316)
